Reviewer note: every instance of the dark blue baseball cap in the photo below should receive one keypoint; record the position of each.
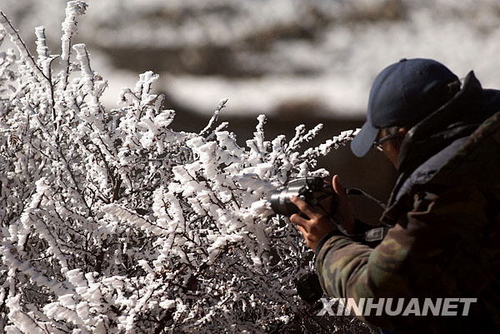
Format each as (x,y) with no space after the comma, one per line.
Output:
(403,94)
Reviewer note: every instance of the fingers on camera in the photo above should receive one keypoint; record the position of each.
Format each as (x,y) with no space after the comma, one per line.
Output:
(303,206)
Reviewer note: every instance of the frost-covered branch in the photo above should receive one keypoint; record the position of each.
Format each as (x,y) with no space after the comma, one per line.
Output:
(21,47)
(73,10)
(112,222)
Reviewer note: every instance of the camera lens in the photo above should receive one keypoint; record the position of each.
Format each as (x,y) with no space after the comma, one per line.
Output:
(280,203)
(280,200)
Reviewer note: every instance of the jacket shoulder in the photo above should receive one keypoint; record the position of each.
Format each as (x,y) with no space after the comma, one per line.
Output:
(477,160)
(472,161)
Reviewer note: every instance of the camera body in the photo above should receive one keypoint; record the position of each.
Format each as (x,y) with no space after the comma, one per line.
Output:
(312,190)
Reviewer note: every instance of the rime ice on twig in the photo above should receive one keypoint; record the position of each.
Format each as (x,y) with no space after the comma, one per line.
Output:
(41,43)
(334,143)
(73,10)
(19,43)
(83,57)
(44,59)
(214,118)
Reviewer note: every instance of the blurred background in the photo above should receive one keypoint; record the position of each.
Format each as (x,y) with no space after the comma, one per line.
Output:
(297,61)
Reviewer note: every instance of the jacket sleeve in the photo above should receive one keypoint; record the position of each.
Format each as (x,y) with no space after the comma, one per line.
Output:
(415,258)
(349,269)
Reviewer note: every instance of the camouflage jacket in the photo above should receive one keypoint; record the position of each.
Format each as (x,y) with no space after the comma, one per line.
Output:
(445,239)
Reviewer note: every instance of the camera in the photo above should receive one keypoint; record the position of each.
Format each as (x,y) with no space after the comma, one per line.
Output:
(317,192)
(312,190)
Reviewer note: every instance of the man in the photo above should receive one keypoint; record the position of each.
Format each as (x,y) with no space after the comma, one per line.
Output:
(444,243)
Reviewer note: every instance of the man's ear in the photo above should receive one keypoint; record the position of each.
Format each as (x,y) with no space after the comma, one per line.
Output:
(402,132)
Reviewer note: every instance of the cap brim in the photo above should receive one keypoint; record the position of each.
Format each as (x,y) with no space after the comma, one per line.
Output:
(363,141)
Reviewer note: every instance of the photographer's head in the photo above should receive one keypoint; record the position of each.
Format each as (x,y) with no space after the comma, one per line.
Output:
(402,95)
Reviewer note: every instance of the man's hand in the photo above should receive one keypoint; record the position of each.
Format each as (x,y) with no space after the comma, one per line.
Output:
(318,222)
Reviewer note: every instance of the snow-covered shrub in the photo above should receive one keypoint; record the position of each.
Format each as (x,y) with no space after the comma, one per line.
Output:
(113,223)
